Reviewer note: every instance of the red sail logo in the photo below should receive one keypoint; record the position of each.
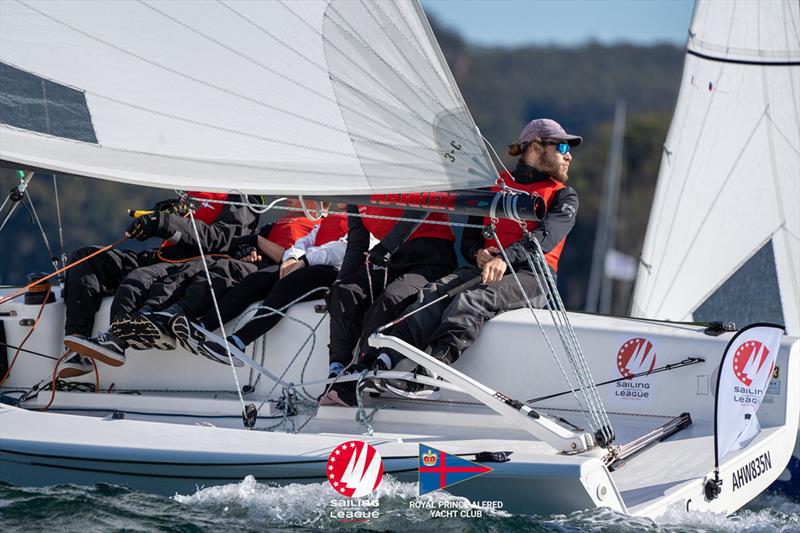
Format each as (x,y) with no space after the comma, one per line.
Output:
(748,362)
(636,356)
(355,469)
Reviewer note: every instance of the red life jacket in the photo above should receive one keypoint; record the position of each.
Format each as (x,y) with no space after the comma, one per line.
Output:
(332,228)
(380,227)
(289,228)
(209,211)
(509,231)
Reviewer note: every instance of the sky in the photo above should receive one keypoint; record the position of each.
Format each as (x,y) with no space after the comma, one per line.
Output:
(564,22)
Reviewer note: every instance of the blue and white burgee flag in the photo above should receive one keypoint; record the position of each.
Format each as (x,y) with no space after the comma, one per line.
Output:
(744,374)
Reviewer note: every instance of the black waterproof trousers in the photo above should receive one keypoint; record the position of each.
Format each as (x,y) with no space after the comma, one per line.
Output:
(264,286)
(452,325)
(186,284)
(356,311)
(86,284)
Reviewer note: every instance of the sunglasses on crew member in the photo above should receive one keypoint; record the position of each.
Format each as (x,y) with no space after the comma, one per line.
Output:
(562,147)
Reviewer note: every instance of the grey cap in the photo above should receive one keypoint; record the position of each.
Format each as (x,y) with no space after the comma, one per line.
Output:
(546,128)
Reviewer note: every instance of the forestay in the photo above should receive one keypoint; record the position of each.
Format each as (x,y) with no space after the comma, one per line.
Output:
(272,97)
(723,241)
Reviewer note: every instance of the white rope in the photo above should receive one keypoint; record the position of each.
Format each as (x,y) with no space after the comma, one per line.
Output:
(531,308)
(216,310)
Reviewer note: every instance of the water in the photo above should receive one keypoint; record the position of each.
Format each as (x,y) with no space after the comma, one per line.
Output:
(252,506)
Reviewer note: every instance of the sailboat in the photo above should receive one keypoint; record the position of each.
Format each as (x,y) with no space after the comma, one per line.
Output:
(337,98)
(723,240)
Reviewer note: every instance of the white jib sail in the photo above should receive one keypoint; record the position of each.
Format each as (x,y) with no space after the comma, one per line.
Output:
(723,241)
(258,96)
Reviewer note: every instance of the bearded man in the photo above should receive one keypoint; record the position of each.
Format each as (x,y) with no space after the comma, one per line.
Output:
(447,328)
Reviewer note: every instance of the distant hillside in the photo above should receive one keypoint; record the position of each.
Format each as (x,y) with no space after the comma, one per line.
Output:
(503,88)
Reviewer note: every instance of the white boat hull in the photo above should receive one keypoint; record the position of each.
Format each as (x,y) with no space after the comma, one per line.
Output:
(158,446)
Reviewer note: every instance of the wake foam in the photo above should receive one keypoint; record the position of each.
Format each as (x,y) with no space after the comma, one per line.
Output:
(310,504)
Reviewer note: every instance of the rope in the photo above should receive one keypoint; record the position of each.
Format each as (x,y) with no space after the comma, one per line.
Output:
(216,310)
(26,288)
(25,339)
(53,387)
(530,307)
(570,341)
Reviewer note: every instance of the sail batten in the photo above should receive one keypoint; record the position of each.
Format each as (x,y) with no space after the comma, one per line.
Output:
(227,95)
(725,207)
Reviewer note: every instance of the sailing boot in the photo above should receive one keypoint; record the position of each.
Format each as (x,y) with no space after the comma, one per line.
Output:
(104,347)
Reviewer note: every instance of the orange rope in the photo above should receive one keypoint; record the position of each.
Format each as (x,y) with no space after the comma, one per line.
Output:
(55,376)
(28,287)
(19,348)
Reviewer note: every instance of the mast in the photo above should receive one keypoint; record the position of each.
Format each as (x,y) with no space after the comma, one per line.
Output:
(598,298)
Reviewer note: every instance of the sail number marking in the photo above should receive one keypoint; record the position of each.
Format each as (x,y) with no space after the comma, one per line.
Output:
(449,155)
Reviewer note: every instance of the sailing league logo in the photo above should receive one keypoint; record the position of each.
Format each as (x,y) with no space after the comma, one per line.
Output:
(748,363)
(355,469)
(636,356)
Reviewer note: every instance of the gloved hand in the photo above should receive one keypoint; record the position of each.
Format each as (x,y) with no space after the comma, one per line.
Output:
(174,206)
(144,226)
(379,256)
(243,250)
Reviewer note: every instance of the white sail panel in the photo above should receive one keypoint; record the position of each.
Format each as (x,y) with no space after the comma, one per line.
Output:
(728,192)
(274,97)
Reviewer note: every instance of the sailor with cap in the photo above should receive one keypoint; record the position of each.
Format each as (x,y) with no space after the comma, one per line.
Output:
(450,326)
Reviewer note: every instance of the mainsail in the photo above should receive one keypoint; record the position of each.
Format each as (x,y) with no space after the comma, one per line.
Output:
(723,241)
(323,96)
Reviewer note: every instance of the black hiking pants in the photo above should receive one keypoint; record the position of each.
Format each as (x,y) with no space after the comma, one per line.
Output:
(186,284)
(273,293)
(356,312)
(450,326)
(86,284)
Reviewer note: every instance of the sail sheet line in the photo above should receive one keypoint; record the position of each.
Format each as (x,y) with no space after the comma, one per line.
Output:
(708,211)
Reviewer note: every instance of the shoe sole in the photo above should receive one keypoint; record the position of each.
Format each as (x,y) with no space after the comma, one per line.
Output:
(187,336)
(142,333)
(72,372)
(98,353)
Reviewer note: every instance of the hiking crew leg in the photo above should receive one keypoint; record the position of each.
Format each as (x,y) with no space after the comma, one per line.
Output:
(252,288)
(349,300)
(87,283)
(464,317)
(134,289)
(284,292)
(398,296)
(420,326)
(225,274)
